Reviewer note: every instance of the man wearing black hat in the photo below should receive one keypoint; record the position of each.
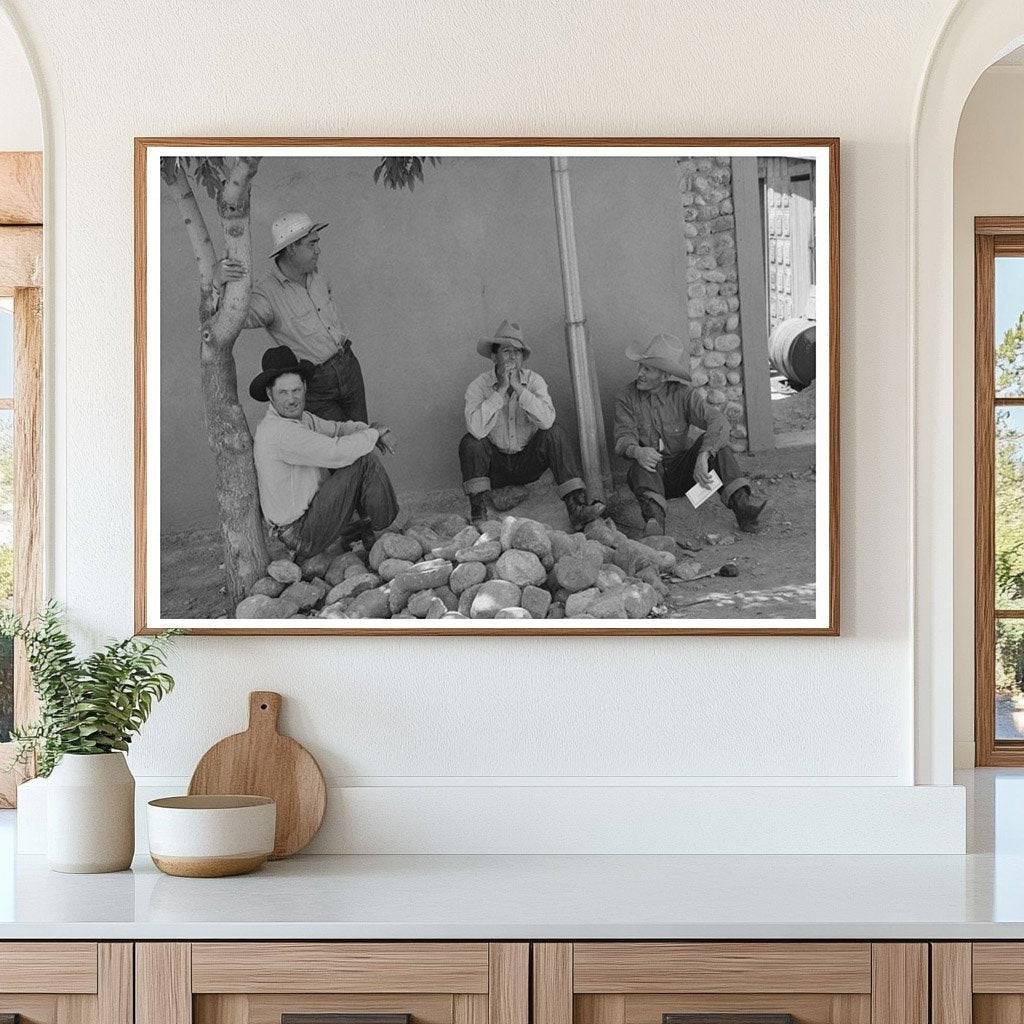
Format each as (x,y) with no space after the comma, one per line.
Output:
(315,475)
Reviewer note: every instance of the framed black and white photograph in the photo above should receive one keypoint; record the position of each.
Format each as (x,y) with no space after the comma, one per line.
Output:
(538,386)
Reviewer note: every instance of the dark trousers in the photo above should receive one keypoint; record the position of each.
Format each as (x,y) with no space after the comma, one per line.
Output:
(362,489)
(674,477)
(485,467)
(336,391)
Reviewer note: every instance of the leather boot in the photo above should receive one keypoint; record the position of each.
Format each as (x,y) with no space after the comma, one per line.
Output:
(582,511)
(653,513)
(747,509)
(480,509)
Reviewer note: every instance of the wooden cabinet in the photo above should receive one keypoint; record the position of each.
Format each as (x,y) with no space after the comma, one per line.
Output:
(981,982)
(66,982)
(815,982)
(259,982)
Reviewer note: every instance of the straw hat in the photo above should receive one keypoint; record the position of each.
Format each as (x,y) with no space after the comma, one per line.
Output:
(288,228)
(509,333)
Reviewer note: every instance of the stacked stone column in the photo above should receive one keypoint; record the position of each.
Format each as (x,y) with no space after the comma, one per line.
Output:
(712,292)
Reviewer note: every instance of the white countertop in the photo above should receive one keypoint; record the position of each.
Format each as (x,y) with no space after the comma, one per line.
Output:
(532,897)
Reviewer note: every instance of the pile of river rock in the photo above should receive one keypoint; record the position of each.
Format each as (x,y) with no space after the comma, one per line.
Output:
(445,568)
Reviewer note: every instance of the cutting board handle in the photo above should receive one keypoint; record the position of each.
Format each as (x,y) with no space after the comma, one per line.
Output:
(264,710)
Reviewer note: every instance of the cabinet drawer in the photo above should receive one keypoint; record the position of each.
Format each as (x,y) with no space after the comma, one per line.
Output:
(753,982)
(48,967)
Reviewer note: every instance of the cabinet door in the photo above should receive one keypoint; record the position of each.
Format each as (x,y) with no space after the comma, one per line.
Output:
(315,982)
(981,982)
(66,982)
(749,982)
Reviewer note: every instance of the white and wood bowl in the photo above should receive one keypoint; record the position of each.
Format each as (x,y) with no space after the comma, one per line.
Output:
(211,836)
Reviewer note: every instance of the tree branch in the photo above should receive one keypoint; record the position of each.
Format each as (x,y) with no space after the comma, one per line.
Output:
(199,236)
(233,208)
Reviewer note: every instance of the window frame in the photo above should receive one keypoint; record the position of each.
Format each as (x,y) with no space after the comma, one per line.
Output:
(993,237)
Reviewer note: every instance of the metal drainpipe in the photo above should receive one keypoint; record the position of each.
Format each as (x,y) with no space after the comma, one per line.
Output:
(593,445)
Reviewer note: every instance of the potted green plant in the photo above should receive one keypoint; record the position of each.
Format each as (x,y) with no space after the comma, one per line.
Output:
(89,709)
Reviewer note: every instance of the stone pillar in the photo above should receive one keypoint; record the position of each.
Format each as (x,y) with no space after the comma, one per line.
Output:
(712,292)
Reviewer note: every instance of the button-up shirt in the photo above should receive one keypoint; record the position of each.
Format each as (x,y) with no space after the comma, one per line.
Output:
(508,420)
(301,316)
(293,458)
(665,414)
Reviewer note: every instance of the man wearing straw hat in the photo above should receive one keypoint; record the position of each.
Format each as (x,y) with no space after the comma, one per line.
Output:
(653,416)
(295,304)
(512,435)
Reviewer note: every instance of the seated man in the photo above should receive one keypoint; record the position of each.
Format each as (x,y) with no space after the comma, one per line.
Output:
(315,475)
(512,435)
(653,416)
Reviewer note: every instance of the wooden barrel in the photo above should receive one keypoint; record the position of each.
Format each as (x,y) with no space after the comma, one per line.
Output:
(791,350)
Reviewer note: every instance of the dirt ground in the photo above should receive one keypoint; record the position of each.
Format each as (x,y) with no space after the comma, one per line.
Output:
(776,566)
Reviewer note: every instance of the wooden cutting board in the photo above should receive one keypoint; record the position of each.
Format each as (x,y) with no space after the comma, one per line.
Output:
(262,762)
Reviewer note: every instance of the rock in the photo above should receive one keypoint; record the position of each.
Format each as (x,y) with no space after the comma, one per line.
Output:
(640,600)
(391,567)
(529,535)
(338,610)
(316,565)
(610,576)
(267,587)
(353,585)
(565,543)
(466,599)
(436,609)
(536,601)
(420,603)
(556,611)
(454,615)
(482,551)
(427,538)
(465,538)
(447,597)
(576,604)
(662,543)
(370,604)
(492,597)
(259,606)
(355,569)
(302,595)
(490,530)
(425,575)
(595,553)
(603,532)
(340,565)
(512,613)
(508,526)
(395,545)
(574,574)
(520,567)
(284,571)
(610,605)
(448,525)
(403,614)
(686,569)
(727,343)
(466,575)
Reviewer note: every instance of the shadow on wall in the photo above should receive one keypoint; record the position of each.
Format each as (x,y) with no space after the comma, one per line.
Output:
(418,277)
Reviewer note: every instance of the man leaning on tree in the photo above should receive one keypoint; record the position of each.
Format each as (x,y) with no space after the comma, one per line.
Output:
(653,416)
(512,435)
(294,302)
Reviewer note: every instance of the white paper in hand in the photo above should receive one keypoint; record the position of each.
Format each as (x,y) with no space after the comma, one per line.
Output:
(697,495)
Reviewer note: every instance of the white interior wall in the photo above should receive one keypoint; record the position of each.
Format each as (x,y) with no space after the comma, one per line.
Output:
(21,124)
(988,181)
(432,716)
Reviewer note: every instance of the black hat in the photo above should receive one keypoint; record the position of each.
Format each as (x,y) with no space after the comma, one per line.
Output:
(276,363)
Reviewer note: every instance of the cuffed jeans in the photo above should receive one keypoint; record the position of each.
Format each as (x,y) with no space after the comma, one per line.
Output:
(336,390)
(362,489)
(485,466)
(674,476)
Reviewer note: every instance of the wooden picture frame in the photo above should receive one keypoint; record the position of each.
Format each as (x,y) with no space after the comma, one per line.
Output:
(822,155)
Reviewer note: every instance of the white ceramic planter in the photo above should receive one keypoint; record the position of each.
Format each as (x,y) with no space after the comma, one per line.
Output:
(90,814)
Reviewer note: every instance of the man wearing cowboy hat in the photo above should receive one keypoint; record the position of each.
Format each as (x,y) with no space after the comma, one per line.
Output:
(653,416)
(295,304)
(513,437)
(315,475)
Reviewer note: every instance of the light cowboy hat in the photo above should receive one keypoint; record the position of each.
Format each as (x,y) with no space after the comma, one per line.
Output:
(288,228)
(665,352)
(509,333)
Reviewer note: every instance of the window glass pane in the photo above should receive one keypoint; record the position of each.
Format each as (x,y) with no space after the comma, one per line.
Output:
(1009,320)
(6,349)
(6,567)
(1009,488)
(1009,679)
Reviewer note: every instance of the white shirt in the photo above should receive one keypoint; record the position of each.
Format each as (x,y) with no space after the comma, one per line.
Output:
(292,458)
(508,420)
